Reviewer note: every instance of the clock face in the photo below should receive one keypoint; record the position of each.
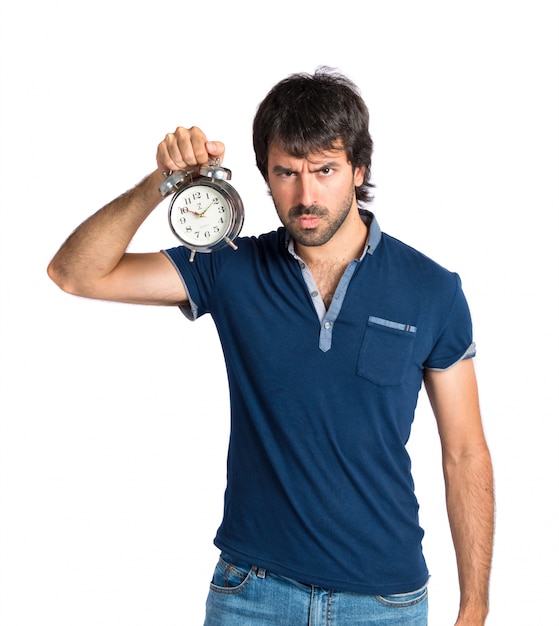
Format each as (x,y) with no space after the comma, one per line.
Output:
(200,215)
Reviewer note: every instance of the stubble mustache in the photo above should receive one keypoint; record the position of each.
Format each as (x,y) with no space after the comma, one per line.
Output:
(301,210)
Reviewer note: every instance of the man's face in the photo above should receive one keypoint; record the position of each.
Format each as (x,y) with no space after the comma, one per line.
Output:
(313,196)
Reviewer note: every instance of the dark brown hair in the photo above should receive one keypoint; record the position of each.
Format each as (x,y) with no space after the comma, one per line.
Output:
(309,113)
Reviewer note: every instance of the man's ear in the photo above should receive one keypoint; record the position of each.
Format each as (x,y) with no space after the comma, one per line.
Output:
(359,176)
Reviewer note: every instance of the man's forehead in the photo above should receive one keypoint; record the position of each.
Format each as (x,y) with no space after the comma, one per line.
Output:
(337,151)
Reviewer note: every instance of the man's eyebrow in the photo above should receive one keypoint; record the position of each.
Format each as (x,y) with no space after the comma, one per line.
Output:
(281,169)
(325,165)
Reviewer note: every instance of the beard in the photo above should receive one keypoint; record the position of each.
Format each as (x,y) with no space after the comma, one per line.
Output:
(328,226)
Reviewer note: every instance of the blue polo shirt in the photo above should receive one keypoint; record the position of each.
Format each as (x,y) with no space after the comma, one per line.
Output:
(319,485)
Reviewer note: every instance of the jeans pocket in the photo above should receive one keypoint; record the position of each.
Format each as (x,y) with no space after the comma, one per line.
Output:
(400,600)
(231,576)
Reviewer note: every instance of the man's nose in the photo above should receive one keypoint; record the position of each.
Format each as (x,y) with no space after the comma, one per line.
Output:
(306,190)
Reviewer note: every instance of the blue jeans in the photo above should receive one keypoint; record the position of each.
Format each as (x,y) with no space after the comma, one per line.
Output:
(241,595)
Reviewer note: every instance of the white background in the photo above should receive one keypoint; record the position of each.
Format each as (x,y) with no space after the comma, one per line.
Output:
(114,418)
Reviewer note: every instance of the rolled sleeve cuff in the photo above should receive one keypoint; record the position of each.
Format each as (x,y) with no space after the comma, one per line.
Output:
(468,354)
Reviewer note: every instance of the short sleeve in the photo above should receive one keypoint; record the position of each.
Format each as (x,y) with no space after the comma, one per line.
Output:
(198,277)
(455,341)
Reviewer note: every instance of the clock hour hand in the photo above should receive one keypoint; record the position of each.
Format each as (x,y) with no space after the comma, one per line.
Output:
(191,211)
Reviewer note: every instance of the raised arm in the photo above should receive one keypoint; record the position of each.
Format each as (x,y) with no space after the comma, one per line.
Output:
(469,484)
(93,261)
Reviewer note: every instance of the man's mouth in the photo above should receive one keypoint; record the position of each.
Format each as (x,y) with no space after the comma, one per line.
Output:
(308,221)
(307,216)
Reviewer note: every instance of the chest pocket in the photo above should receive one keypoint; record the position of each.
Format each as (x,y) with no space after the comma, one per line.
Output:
(385,351)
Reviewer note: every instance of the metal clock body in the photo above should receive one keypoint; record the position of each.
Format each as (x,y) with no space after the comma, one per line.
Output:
(206,213)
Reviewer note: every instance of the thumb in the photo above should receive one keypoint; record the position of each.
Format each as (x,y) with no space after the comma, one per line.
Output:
(215,149)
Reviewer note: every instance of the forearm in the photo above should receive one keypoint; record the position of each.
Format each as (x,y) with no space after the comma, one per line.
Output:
(470,504)
(95,248)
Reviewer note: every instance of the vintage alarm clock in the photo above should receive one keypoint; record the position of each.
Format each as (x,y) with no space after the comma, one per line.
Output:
(206,213)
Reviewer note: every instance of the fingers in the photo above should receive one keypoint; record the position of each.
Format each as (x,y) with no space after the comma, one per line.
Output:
(187,148)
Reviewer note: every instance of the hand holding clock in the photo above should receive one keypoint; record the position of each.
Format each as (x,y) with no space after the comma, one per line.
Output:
(187,148)
(184,158)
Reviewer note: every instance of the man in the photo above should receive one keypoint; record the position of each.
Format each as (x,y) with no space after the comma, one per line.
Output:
(329,328)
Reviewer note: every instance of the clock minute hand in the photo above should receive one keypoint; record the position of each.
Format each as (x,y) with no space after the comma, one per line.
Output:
(201,214)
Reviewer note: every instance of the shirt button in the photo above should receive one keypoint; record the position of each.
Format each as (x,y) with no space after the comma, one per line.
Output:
(328,325)
(314,294)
